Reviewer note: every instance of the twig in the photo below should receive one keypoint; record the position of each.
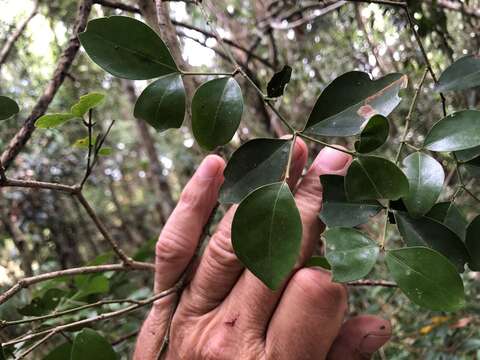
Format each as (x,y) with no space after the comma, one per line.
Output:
(97,318)
(409,115)
(38,185)
(23,135)
(372,283)
(37,344)
(89,126)
(382,2)
(127,260)
(28,281)
(124,337)
(56,314)
(352,153)
(425,57)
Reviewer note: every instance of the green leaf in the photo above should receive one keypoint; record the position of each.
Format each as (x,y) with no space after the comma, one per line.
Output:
(350,253)
(431,233)
(372,177)
(427,278)
(267,233)
(450,215)
(89,344)
(83,143)
(49,121)
(473,167)
(278,82)
(468,154)
(162,103)
(425,176)
(127,48)
(373,135)
(105,151)
(217,108)
(457,131)
(346,105)
(43,304)
(91,284)
(8,108)
(318,261)
(472,243)
(87,102)
(462,74)
(61,352)
(338,211)
(256,163)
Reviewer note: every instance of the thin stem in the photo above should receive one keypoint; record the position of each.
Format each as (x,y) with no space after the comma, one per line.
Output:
(425,57)
(290,156)
(372,283)
(66,312)
(382,2)
(38,185)
(28,281)
(193,73)
(37,344)
(89,126)
(472,195)
(302,135)
(385,228)
(97,318)
(409,115)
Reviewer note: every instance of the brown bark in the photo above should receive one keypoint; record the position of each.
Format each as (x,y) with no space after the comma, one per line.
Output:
(23,135)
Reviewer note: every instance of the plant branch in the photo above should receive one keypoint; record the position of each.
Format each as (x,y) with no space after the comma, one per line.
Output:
(37,344)
(28,281)
(101,317)
(23,135)
(352,153)
(372,283)
(425,56)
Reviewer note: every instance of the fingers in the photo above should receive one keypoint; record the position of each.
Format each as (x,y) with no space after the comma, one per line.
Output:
(308,317)
(219,267)
(360,337)
(249,291)
(179,237)
(175,248)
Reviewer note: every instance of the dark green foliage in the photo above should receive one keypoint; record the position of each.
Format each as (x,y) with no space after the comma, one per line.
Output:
(217,108)
(373,135)
(462,74)
(278,82)
(8,108)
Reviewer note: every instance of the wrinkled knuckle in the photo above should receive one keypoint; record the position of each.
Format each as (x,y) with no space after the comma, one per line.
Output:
(317,286)
(216,348)
(221,249)
(172,247)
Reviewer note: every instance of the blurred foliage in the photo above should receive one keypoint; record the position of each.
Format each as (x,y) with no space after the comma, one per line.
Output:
(53,232)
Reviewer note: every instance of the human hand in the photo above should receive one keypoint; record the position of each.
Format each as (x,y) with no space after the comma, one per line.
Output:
(225,312)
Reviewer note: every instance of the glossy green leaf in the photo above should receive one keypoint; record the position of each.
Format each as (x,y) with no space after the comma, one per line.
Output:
(217,108)
(346,105)
(83,143)
(457,131)
(338,211)
(44,304)
(105,151)
(372,177)
(267,233)
(427,278)
(350,253)
(87,102)
(425,176)
(468,154)
(162,103)
(256,163)
(431,233)
(278,82)
(373,135)
(462,74)
(89,344)
(451,216)
(8,108)
(472,243)
(61,352)
(318,261)
(49,121)
(91,284)
(127,48)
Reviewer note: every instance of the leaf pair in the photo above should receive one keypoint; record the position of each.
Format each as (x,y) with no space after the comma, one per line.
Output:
(77,111)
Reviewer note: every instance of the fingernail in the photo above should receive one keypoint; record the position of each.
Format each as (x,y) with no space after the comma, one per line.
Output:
(330,160)
(210,167)
(375,339)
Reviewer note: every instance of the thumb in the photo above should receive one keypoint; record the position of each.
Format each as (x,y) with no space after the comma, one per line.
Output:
(360,337)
